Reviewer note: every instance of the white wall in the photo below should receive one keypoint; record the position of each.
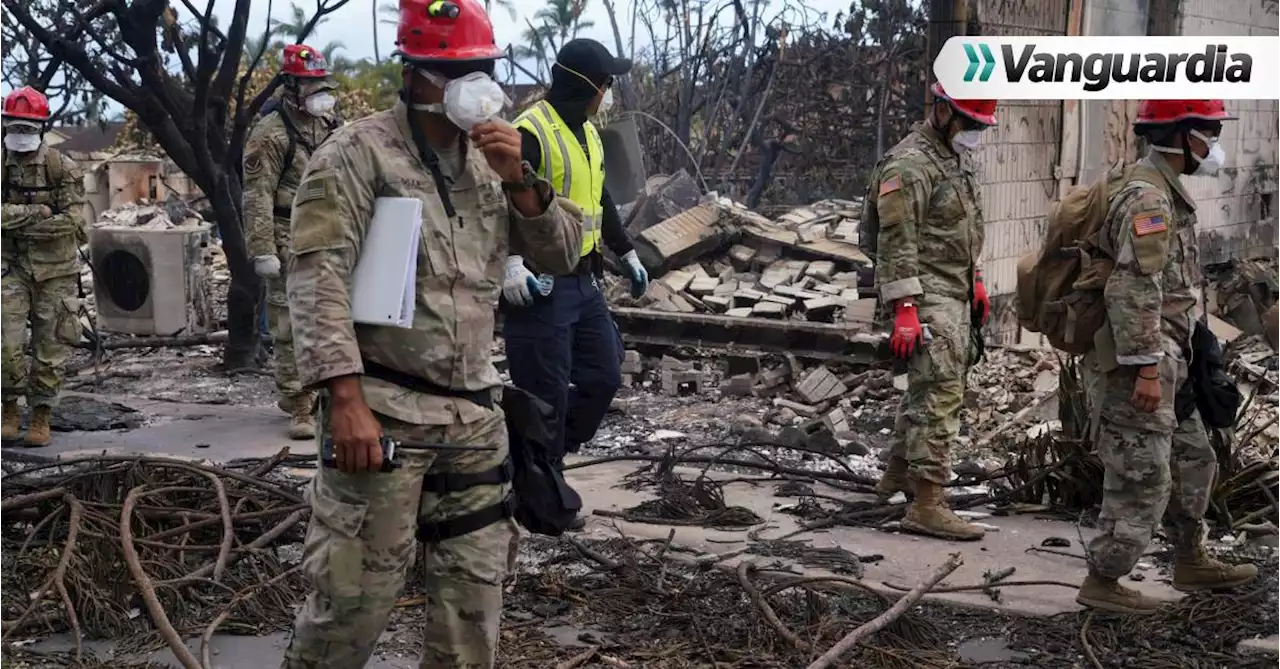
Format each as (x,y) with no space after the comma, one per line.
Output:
(1237,209)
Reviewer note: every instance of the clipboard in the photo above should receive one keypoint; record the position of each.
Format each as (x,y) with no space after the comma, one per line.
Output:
(383,284)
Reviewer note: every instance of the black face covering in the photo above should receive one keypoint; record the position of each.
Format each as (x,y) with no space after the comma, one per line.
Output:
(570,95)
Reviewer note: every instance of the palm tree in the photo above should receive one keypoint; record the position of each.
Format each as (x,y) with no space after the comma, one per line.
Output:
(390,12)
(296,25)
(536,40)
(377,55)
(563,18)
(508,5)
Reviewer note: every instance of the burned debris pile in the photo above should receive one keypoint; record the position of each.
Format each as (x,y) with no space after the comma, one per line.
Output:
(709,255)
(150,549)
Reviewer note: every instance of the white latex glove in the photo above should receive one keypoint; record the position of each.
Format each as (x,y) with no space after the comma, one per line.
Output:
(639,275)
(267,267)
(519,283)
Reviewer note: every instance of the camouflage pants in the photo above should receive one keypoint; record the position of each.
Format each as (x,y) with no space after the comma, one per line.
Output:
(361,542)
(287,381)
(928,421)
(52,308)
(1158,470)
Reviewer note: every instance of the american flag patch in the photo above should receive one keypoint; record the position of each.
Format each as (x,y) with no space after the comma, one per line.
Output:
(1146,224)
(889,185)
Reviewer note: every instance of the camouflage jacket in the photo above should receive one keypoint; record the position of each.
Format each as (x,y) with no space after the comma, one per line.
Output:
(459,268)
(46,247)
(1153,240)
(931,225)
(269,185)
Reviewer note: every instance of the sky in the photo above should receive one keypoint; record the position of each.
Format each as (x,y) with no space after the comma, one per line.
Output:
(352,24)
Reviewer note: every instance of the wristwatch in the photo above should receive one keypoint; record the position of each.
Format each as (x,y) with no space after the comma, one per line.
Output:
(529,180)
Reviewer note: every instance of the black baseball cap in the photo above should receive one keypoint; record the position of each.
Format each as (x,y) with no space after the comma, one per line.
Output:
(591,59)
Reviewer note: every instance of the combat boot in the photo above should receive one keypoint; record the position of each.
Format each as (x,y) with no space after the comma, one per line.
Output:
(1108,595)
(302,421)
(894,480)
(38,431)
(1196,571)
(12,418)
(929,514)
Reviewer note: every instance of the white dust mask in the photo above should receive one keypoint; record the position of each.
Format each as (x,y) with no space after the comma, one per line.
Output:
(320,103)
(1212,161)
(966,140)
(606,101)
(468,100)
(21,142)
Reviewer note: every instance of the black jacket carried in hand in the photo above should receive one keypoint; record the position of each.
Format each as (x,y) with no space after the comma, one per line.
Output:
(1208,388)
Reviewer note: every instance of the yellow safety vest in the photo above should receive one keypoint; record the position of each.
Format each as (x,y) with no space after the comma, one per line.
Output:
(569,170)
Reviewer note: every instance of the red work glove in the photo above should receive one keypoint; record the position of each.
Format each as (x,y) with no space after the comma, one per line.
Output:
(981,303)
(906,330)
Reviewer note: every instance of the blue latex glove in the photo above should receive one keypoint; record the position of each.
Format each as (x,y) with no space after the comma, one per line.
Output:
(639,275)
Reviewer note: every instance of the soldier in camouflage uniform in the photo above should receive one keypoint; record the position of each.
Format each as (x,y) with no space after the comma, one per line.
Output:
(927,202)
(43,227)
(1156,467)
(274,157)
(430,384)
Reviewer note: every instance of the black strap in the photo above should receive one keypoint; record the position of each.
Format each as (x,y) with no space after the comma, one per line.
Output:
(282,212)
(457,481)
(433,164)
(466,524)
(372,369)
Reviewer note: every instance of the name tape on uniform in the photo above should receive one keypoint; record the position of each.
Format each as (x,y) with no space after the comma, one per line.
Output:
(1110,68)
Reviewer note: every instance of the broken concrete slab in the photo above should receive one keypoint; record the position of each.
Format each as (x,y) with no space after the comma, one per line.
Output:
(703,286)
(826,249)
(741,257)
(740,385)
(785,301)
(820,270)
(682,238)
(681,304)
(677,280)
(718,303)
(819,384)
(747,297)
(821,309)
(739,312)
(632,363)
(767,309)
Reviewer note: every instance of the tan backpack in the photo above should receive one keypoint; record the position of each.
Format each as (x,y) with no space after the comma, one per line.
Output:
(1060,284)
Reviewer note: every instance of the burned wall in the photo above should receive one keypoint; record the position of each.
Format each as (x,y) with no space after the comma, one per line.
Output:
(1237,208)
(1018,160)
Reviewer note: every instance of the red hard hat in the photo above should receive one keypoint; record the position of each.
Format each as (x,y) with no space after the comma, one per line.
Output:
(26,103)
(445,30)
(982,111)
(303,61)
(1159,112)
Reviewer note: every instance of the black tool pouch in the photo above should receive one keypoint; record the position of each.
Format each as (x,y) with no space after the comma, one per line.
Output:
(544,501)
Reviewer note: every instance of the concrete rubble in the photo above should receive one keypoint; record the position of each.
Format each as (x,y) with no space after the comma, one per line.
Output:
(709,255)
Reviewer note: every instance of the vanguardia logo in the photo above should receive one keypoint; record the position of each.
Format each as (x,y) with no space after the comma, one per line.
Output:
(1088,67)
(987,62)
(1099,70)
